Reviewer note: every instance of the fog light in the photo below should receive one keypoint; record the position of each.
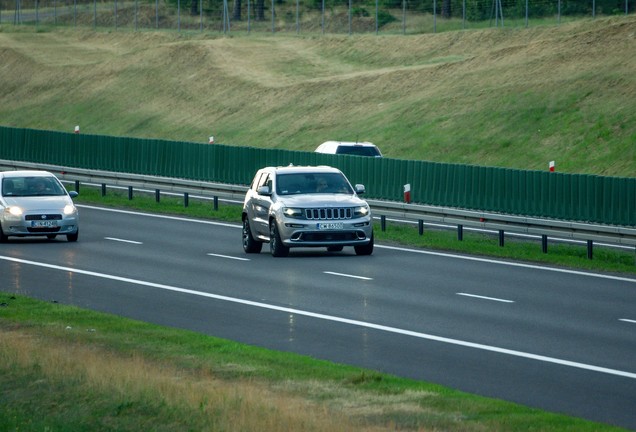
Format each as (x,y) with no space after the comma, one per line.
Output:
(291,225)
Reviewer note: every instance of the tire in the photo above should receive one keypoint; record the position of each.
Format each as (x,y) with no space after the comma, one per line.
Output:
(250,245)
(276,246)
(366,249)
(334,248)
(3,237)
(72,237)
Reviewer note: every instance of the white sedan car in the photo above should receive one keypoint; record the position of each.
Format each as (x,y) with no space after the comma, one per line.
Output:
(35,203)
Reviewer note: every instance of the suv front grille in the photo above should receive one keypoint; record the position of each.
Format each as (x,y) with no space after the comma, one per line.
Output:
(329,213)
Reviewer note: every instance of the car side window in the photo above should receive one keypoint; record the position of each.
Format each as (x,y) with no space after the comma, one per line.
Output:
(257,180)
(264,180)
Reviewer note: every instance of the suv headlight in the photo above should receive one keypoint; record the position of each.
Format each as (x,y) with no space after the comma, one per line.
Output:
(292,212)
(361,211)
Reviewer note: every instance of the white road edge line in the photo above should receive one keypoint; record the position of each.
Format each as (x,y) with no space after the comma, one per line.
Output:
(485,298)
(627,320)
(395,330)
(348,275)
(122,240)
(229,257)
(183,219)
(402,249)
(508,263)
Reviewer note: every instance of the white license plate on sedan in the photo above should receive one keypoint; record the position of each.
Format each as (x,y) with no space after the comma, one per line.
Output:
(43,224)
(330,226)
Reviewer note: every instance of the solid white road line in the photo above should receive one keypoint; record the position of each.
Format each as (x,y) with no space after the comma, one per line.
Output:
(561,362)
(348,275)
(183,219)
(628,320)
(485,298)
(507,263)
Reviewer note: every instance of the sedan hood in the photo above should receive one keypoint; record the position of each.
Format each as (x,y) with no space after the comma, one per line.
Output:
(33,204)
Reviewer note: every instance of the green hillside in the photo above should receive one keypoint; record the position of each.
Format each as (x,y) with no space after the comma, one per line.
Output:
(500,97)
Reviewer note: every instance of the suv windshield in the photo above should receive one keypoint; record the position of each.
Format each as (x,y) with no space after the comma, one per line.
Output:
(304,183)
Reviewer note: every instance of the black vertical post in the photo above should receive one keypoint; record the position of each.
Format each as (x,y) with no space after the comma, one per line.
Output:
(544,243)
(157,195)
(420,226)
(590,249)
(216,203)
(383,222)
(103,189)
(130,192)
(77,186)
(460,232)
(186,199)
(501,238)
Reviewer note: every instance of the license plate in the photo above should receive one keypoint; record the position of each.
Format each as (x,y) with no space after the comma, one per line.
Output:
(330,226)
(43,224)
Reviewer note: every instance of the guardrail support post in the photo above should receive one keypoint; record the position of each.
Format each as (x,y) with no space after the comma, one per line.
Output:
(383,222)
(130,192)
(216,203)
(157,195)
(77,185)
(103,189)
(501,238)
(186,199)
(590,249)
(544,243)
(460,232)
(420,226)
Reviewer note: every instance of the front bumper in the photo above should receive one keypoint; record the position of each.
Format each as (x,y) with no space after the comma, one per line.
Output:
(22,227)
(355,232)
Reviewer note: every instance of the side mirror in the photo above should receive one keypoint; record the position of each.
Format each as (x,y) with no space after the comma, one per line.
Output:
(360,189)
(264,190)
(73,194)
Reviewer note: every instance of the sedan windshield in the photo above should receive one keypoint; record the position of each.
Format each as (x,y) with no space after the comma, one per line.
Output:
(31,186)
(304,183)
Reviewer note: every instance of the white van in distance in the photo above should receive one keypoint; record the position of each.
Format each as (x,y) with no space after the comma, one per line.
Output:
(350,148)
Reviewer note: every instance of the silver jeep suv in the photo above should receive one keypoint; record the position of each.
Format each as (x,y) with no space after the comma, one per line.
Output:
(305,207)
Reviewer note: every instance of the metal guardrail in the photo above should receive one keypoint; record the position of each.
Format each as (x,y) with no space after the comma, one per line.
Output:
(461,218)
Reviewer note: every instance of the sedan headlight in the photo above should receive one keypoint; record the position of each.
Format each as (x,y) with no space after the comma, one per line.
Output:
(15,211)
(69,209)
(361,211)
(291,212)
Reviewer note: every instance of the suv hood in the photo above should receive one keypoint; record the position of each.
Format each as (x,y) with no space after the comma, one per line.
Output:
(322,200)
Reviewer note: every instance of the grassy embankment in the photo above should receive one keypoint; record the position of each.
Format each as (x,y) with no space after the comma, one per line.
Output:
(515,98)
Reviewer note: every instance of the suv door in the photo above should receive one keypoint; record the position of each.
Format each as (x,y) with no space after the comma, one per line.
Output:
(261,202)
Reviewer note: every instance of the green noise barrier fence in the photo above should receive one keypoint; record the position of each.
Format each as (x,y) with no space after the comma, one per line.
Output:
(576,197)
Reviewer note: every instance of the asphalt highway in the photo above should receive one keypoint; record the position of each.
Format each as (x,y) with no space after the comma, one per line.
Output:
(559,340)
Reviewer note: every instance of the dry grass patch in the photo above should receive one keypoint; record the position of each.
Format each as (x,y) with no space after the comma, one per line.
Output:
(194,398)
